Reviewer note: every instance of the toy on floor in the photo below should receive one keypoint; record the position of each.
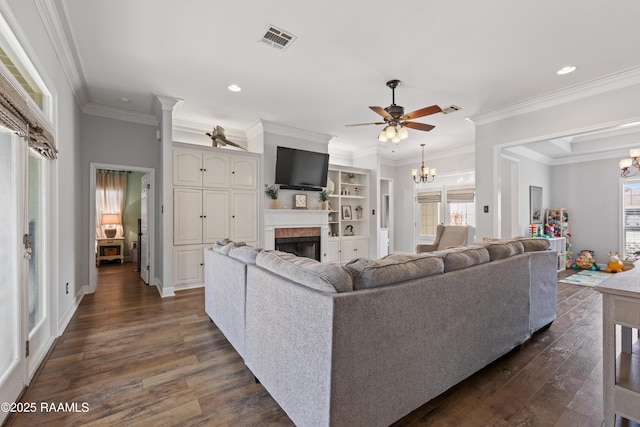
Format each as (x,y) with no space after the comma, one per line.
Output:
(585,261)
(614,265)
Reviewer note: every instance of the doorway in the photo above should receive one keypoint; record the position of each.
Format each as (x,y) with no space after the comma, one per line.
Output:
(135,239)
(385,239)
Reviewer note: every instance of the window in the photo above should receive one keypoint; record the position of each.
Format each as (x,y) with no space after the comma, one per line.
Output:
(631,210)
(462,206)
(429,212)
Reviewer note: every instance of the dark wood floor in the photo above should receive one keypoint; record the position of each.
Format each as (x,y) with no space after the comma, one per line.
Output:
(138,359)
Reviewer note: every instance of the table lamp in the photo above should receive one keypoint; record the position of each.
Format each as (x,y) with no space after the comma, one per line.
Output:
(111,220)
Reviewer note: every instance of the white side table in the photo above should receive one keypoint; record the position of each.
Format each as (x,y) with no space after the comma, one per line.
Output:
(621,372)
(110,249)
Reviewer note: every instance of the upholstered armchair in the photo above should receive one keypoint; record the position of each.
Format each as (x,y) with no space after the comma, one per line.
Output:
(449,236)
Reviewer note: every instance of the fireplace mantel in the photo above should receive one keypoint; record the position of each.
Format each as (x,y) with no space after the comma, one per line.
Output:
(295,218)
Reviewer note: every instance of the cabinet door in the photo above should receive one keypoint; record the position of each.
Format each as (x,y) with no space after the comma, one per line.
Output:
(361,247)
(216,170)
(188,265)
(187,216)
(244,173)
(187,168)
(216,215)
(347,249)
(244,224)
(332,252)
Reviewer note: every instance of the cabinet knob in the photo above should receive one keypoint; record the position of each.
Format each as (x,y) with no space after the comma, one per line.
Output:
(201,263)
(201,169)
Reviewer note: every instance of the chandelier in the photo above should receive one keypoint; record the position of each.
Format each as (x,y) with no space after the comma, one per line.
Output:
(625,164)
(426,174)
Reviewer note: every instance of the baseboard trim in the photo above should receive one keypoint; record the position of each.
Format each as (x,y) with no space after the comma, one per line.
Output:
(66,318)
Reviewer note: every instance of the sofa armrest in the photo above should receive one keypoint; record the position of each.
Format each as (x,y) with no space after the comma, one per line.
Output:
(424,247)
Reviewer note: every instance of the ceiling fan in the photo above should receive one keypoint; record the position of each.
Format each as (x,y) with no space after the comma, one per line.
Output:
(218,138)
(397,121)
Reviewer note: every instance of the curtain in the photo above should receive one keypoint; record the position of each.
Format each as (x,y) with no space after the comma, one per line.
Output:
(16,115)
(462,195)
(111,192)
(429,197)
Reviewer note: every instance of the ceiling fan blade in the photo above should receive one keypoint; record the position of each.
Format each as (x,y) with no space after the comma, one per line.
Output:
(418,126)
(382,112)
(422,112)
(365,124)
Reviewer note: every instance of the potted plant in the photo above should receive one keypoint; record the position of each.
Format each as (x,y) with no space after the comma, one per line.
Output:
(323,197)
(272,192)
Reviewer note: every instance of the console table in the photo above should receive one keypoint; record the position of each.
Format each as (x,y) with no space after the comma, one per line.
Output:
(110,249)
(621,372)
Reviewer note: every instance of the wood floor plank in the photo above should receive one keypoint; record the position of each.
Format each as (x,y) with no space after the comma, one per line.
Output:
(138,359)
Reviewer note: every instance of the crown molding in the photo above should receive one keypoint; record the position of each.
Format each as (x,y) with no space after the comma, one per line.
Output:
(604,84)
(285,130)
(120,114)
(54,27)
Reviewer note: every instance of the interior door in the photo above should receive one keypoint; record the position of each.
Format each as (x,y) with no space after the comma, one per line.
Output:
(145,187)
(13,328)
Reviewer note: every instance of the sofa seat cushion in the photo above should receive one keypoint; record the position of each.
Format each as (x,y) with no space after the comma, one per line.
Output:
(326,277)
(394,268)
(535,244)
(465,257)
(246,254)
(503,250)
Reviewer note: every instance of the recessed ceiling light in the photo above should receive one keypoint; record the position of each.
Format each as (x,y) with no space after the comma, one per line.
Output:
(566,70)
(125,100)
(234,88)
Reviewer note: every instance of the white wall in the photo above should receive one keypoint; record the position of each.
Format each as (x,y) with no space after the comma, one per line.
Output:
(69,266)
(456,170)
(591,192)
(605,105)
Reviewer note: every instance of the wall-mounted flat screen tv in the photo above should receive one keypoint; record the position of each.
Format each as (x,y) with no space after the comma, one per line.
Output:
(301,169)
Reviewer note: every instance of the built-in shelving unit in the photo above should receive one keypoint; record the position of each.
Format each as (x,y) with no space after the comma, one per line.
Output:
(348,213)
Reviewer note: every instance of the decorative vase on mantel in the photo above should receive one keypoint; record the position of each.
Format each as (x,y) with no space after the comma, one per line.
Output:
(324,206)
(274,204)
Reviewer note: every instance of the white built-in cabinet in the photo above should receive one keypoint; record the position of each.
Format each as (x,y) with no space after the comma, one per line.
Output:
(214,197)
(349,213)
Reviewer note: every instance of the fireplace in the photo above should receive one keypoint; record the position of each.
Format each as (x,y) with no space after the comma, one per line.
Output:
(304,242)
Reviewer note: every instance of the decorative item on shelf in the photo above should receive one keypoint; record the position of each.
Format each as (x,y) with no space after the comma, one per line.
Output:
(300,201)
(323,197)
(426,174)
(625,164)
(219,139)
(111,221)
(358,212)
(272,192)
(331,186)
(346,212)
(356,191)
(348,230)
(351,178)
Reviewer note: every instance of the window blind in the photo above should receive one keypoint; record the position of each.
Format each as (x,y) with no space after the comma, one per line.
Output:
(429,197)
(461,195)
(16,115)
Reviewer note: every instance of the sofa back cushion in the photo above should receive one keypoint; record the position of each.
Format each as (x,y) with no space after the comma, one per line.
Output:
(535,244)
(246,254)
(394,268)
(504,249)
(465,257)
(224,248)
(326,277)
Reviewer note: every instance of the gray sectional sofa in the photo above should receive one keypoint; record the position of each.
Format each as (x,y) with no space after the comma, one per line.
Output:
(365,343)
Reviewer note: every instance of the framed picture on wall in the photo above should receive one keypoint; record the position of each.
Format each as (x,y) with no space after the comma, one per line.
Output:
(535,204)
(346,212)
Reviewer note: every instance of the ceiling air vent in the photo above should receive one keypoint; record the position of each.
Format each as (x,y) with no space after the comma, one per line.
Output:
(275,37)
(451,109)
